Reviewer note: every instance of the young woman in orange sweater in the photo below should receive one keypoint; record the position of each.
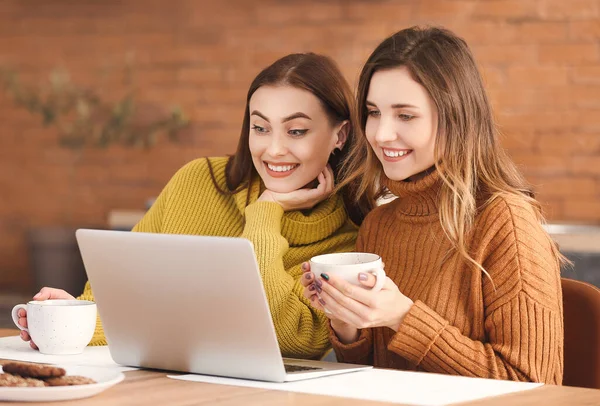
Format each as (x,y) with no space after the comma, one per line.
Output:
(473,284)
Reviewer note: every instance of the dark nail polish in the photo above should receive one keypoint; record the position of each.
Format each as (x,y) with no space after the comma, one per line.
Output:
(322,301)
(318,283)
(312,288)
(325,276)
(304,266)
(308,275)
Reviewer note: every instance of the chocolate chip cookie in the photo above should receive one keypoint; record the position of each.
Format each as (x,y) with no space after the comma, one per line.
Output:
(29,370)
(69,381)
(8,380)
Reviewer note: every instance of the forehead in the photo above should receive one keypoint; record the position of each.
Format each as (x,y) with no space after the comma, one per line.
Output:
(396,86)
(282,101)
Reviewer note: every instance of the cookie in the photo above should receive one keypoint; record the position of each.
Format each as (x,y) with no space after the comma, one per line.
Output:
(29,370)
(8,380)
(69,381)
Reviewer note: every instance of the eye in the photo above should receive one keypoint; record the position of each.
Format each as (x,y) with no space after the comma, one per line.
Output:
(259,129)
(297,133)
(373,113)
(405,117)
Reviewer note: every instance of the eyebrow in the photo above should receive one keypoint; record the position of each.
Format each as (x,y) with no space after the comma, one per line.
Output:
(395,106)
(288,118)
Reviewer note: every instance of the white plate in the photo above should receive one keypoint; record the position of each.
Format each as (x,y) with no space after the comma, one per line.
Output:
(105,378)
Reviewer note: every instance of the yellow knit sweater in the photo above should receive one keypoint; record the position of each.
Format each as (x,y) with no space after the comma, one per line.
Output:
(190,204)
(460,322)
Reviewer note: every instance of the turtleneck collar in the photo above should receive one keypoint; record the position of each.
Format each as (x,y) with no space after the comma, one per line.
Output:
(300,227)
(416,198)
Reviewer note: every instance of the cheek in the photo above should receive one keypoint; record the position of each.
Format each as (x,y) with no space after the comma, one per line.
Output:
(370,131)
(257,146)
(312,154)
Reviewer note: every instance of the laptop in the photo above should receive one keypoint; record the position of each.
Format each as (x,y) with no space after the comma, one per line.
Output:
(193,304)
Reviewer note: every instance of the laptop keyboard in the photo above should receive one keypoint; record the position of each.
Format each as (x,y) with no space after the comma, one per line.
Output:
(289,368)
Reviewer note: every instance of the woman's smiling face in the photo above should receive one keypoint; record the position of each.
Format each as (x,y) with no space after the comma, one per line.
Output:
(291,137)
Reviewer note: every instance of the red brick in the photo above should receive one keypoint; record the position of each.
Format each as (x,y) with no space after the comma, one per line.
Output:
(588,120)
(492,75)
(455,11)
(542,100)
(379,11)
(568,10)
(585,165)
(581,210)
(545,121)
(504,54)
(541,165)
(517,140)
(505,9)
(585,96)
(569,54)
(553,209)
(586,74)
(584,30)
(542,32)
(569,143)
(309,12)
(221,13)
(480,32)
(521,76)
(559,187)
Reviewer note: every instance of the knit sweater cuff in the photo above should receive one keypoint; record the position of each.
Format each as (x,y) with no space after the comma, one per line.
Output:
(354,352)
(417,333)
(263,217)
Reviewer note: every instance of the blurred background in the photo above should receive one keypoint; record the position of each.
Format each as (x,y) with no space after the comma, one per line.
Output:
(101,101)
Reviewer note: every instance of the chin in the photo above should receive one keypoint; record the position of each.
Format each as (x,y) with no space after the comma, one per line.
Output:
(281,186)
(397,176)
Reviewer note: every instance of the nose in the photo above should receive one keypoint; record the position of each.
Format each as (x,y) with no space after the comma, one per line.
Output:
(277,146)
(386,131)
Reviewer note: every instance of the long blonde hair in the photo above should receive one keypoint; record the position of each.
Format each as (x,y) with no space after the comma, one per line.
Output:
(468,157)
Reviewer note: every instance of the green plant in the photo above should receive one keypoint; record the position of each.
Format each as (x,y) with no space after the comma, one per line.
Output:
(85,118)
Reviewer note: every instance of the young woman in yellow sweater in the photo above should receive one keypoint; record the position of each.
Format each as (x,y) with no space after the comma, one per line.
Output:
(275,191)
(473,283)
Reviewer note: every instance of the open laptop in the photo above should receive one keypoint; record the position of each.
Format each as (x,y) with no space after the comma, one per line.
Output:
(185,303)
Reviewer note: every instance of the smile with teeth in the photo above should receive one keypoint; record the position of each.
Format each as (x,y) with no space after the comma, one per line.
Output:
(395,153)
(281,168)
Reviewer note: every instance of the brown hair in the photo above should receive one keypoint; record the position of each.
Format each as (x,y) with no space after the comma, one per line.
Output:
(319,75)
(468,157)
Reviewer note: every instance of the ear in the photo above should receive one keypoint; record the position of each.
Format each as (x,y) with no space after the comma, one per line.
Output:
(342,134)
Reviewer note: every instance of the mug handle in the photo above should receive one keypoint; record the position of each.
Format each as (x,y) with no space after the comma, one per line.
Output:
(15,316)
(380,276)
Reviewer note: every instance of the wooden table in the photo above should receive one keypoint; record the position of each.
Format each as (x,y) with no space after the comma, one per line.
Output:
(154,388)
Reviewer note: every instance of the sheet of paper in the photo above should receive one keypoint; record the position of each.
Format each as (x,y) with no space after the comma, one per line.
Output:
(14,348)
(384,385)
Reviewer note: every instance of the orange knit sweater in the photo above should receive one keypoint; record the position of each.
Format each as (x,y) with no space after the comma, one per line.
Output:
(459,324)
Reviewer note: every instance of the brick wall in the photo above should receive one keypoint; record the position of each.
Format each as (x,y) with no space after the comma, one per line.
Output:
(540,58)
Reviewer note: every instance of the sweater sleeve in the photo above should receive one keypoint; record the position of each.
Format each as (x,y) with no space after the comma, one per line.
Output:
(523,314)
(150,223)
(360,351)
(301,331)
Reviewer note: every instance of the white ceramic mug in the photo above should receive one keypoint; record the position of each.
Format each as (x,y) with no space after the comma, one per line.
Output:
(60,327)
(347,265)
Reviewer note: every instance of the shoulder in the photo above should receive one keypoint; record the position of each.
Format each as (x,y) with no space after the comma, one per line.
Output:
(510,213)
(518,251)
(201,172)
(373,220)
